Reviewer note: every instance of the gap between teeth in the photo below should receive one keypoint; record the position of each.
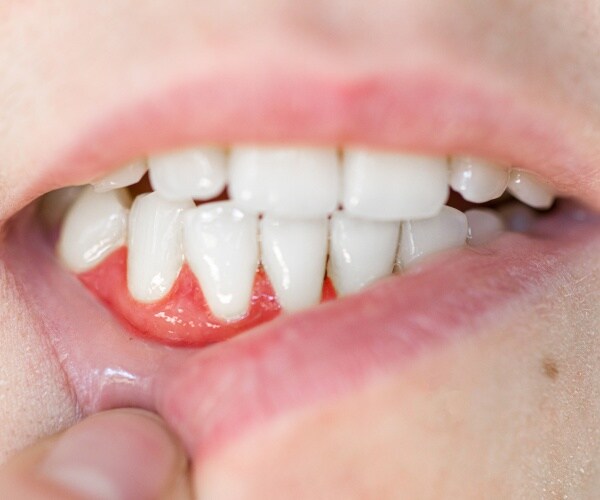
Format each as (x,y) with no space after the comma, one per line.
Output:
(301,213)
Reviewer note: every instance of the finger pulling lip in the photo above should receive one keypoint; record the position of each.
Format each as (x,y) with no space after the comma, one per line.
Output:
(214,395)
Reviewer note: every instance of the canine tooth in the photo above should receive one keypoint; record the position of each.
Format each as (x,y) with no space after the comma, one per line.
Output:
(484,226)
(388,186)
(477,180)
(421,238)
(288,182)
(198,173)
(95,225)
(221,247)
(294,253)
(361,251)
(530,189)
(125,176)
(155,246)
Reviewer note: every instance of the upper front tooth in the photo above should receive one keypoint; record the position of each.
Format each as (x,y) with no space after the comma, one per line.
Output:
(155,246)
(484,225)
(530,189)
(294,253)
(221,247)
(477,180)
(290,182)
(95,225)
(388,186)
(361,251)
(198,173)
(424,237)
(125,176)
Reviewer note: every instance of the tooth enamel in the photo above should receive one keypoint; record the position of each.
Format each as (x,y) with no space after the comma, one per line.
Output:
(388,186)
(421,238)
(477,180)
(484,226)
(221,247)
(361,251)
(289,182)
(530,189)
(517,217)
(198,173)
(95,225)
(293,255)
(125,176)
(155,244)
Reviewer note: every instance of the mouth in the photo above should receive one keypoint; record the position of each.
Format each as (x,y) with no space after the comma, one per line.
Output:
(322,268)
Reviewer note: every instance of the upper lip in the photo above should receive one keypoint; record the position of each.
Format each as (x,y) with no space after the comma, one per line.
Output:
(431,107)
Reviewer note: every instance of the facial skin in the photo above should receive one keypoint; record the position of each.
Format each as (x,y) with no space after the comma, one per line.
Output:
(510,412)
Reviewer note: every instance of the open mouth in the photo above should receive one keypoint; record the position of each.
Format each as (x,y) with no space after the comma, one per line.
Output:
(230,284)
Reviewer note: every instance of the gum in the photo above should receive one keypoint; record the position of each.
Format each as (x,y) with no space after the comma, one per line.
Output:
(182,318)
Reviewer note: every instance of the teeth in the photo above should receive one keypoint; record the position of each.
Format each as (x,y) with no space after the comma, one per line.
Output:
(221,247)
(198,173)
(289,182)
(55,204)
(529,189)
(95,225)
(484,226)
(126,176)
(155,246)
(428,236)
(477,180)
(361,251)
(387,186)
(293,255)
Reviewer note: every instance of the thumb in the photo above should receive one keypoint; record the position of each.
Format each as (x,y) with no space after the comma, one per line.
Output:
(119,454)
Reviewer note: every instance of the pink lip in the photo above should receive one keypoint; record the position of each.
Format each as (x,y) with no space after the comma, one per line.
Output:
(434,108)
(217,394)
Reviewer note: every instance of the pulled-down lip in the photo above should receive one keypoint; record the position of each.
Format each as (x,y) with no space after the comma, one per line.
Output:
(214,395)
(433,107)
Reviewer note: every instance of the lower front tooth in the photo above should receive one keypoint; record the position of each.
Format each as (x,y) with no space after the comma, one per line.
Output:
(484,225)
(361,251)
(95,225)
(294,253)
(421,238)
(221,247)
(155,253)
(530,189)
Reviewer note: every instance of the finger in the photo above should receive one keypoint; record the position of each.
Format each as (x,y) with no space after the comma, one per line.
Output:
(119,454)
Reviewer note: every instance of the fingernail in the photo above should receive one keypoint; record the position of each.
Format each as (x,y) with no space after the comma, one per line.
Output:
(120,454)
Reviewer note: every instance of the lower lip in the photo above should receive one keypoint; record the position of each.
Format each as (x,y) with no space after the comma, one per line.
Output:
(297,360)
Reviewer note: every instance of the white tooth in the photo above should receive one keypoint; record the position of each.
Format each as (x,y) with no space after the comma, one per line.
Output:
(95,225)
(484,226)
(221,247)
(198,173)
(517,217)
(125,176)
(361,251)
(155,246)
(530,189)
(477,180)
(388,186)
(289,182)
(293,255)
(424,237)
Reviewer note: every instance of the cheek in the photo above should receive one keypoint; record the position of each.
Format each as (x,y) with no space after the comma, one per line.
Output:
(34,397)
(516,402)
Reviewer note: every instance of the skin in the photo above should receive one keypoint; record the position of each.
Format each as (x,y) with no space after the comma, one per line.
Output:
(470,421)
